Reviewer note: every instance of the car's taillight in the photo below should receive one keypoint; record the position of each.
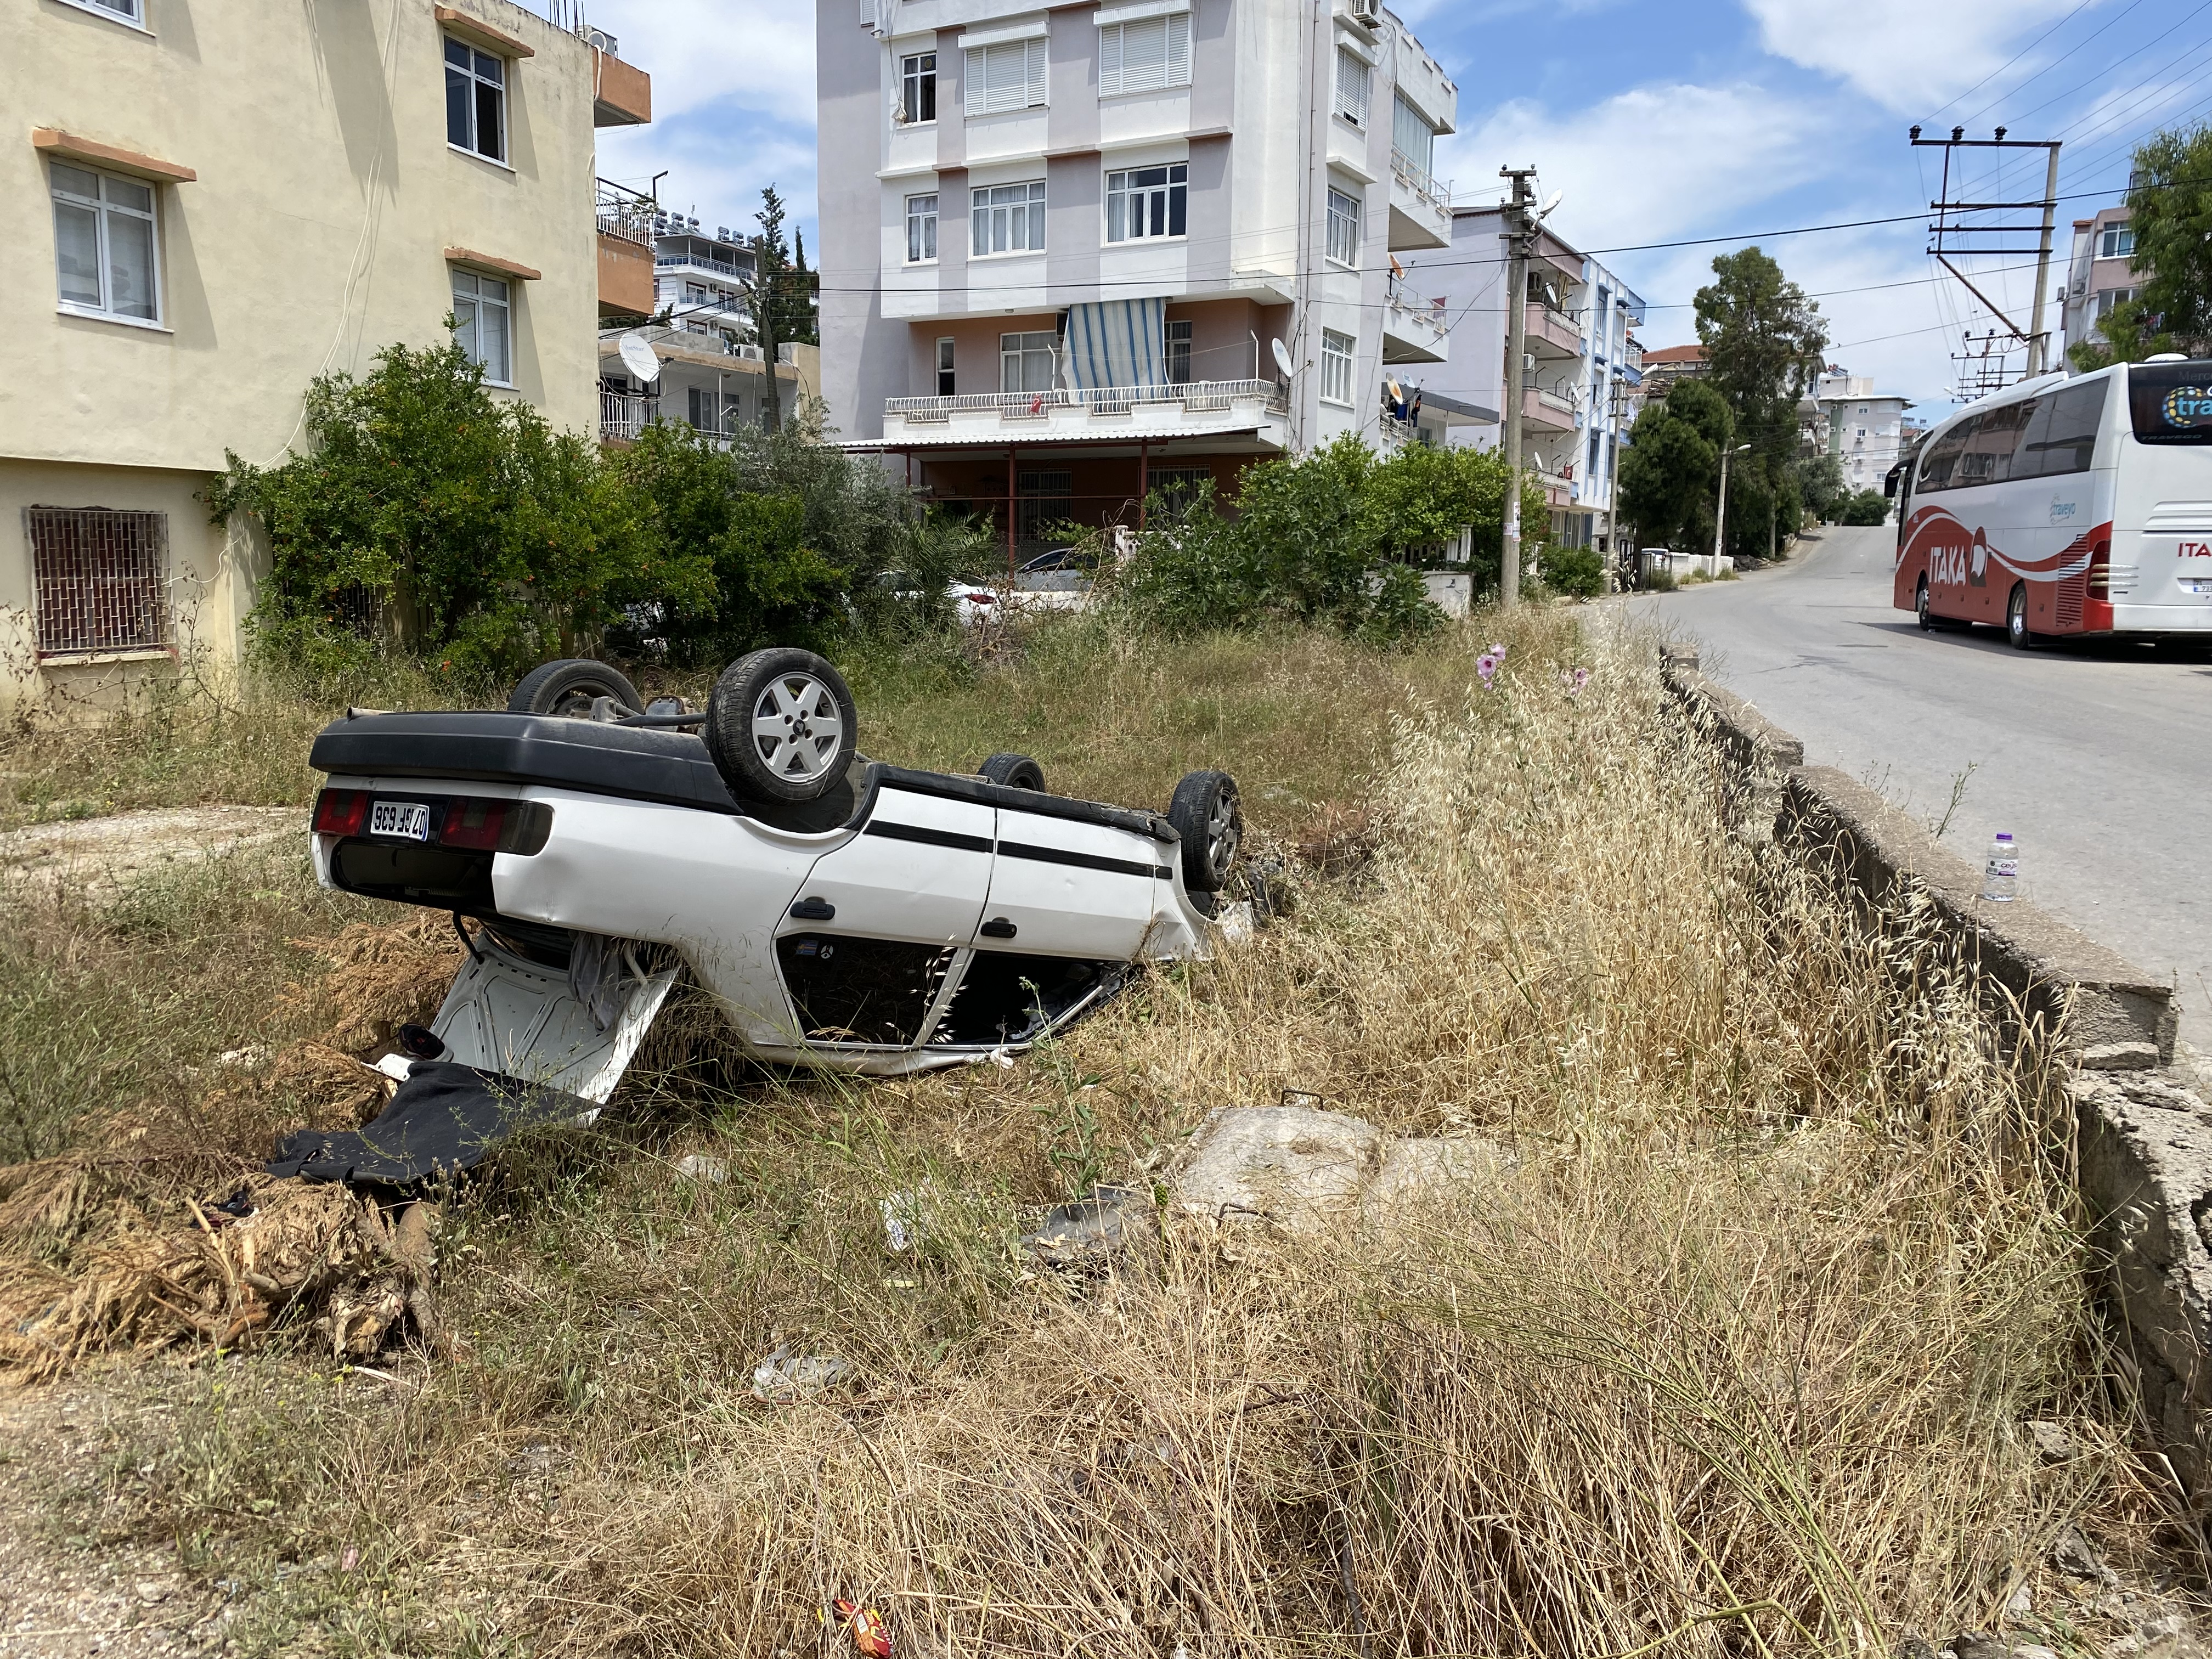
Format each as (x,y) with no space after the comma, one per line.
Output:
(2100,571)
(340,811)
(474,823)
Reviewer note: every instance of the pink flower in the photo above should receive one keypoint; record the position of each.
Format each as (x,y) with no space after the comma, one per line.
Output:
(1574,680)
(1487,666)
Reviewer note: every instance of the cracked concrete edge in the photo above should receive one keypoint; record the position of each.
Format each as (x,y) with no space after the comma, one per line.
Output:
(2143,1125)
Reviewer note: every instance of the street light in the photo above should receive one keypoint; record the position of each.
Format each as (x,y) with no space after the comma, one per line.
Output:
(1720,517)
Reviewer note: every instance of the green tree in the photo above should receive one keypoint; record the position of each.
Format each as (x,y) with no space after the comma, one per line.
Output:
(2170,210)
(1764,342)
(1670,467)
(779,298)
(1424,494)
(1820,484)
(462,528)
(1869,506)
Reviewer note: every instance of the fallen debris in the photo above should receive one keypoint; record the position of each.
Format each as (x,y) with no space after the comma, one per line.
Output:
(698,1166)
(1292,1166)
(445,1118)
(784,1376)
(1092,1230)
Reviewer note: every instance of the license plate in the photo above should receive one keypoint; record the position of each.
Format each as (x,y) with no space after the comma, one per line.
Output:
(407,820)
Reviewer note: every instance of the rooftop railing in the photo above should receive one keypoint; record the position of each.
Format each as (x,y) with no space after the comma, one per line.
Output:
(1196,397)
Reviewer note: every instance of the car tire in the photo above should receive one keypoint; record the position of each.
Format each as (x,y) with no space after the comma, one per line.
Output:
(781,726)
(1209,820)
(1014,771)
(1920,608)
(573,687)
(2017,634)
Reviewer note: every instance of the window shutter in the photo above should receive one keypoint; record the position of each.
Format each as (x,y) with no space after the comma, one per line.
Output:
(1035,53)
(1144,54)
(1178,73)
(976,95)
(1110,61)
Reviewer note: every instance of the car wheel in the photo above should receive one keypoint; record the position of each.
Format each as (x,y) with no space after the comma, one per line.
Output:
(2016,631)
(1920,607)
(781,726)
(1206,815)
(1015,771)
(575,687)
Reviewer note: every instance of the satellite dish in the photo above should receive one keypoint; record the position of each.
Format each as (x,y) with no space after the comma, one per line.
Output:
(638,357)
(1283,360)
(1545,211)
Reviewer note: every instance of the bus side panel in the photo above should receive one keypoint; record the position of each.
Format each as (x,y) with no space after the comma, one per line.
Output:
(2065,518)
(1971,569)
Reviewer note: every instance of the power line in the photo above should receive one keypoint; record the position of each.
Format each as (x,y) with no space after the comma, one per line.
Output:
(2076,47)
(2017,55)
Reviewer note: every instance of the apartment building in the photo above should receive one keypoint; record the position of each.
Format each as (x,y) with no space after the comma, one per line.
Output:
(1062,245)
(2099,274)
(1863,429)
(211,203)
(1581,368)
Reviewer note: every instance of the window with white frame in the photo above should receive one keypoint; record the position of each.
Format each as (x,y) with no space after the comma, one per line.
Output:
(2110,297)
(1029,362)
(106,244)
(1007,75)
(2119,242)
(97,579)
(1336,355)
(921,228)
(1007,219)
(1411,137)
(132,10)
(476,100)
(1142,203)
(1148,55)
(1353,79)
(918,87)
(481,325)
(1178,340)
(1343,241)
(1177,487)
(944,381)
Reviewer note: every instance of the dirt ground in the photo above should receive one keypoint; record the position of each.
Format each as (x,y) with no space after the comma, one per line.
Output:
(108,852)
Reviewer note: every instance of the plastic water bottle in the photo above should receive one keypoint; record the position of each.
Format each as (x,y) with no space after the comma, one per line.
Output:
(2000,870)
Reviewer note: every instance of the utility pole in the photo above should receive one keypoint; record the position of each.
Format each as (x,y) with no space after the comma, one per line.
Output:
(1518,234)
(1720,512)
(1949,235)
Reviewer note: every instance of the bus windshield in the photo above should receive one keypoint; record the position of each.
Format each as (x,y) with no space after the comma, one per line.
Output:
(2171,402)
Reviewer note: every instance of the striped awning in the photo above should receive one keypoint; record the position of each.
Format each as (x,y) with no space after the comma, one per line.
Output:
(1116,343)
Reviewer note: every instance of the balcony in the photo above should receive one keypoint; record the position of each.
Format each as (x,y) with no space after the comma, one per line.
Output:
(1421,207)
(624,415)
(624,219)
(1097,414)
(1546,411)
(1550,332)
(698,262)
(1413,331)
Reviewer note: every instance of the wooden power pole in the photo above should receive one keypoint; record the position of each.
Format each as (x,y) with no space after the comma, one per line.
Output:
(1519,232)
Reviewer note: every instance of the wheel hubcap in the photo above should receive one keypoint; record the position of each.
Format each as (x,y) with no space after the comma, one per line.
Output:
(797,729)
(1221,833)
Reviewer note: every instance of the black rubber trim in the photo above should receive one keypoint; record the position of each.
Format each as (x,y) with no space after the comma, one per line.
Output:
(1015,849)
(948,787)
(929,837)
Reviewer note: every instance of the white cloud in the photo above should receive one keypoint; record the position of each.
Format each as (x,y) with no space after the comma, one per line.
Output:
(1649,164)
(1909,56)
(700,52)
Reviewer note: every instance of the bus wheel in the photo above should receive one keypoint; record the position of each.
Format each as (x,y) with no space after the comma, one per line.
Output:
(1920,606)
(2016,633)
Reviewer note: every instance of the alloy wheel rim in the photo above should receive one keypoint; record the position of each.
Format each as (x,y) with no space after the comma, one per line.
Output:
(797,727)
(1221,836)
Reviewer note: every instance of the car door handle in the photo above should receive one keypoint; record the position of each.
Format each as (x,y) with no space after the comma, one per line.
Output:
(814,909)
(997,927)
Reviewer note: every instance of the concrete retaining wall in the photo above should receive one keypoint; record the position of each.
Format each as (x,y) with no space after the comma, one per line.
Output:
(2144,1123)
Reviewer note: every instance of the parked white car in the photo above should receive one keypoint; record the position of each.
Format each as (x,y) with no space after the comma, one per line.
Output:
(844,913)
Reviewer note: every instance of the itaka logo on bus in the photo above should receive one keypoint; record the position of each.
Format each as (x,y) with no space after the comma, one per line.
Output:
(2187,407)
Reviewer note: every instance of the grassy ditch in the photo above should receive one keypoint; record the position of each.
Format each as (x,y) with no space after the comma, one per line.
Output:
(1729,1357)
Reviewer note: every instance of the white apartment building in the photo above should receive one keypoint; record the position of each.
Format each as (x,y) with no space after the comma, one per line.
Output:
(1863,428)
(2099,274)
(1062,245)
(1581,369)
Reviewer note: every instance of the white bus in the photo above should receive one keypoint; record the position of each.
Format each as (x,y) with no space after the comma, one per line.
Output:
(2067,506)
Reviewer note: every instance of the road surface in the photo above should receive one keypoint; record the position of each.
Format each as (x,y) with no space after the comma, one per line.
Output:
(2097,757)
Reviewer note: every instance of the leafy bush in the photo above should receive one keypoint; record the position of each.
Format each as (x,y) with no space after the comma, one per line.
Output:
(1576,571)
(1869,506)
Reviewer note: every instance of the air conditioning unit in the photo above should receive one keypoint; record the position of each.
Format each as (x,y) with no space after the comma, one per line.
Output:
(1368,13)
(751,353)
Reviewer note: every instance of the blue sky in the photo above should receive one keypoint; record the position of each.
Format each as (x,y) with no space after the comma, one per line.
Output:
(1660,120)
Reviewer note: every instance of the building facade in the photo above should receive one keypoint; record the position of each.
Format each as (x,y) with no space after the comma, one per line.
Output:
(1582,365)
(213,202)
(1075,256)
(1863,428)
(2099,274)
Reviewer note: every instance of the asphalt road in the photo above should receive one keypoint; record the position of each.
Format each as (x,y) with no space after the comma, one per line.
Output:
(2097,757)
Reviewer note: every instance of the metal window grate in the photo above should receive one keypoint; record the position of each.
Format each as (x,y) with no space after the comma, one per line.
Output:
(98,579)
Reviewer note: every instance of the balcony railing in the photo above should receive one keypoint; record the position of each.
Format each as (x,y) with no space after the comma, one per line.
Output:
(1418,180)
(724,267)
(1196,397)
(623,212)
(1430,313)
(624,415)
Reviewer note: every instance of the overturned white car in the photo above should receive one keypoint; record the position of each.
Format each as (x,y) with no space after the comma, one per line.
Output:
(845,913)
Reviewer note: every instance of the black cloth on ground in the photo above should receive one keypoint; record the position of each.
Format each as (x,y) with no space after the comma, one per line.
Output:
(445,1117)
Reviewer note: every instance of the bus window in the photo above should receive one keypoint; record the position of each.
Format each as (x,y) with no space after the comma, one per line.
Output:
(1987,458)
(2171,402)
(2069,443)
(1941,460)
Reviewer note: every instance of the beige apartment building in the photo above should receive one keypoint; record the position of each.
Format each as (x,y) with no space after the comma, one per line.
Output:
(212,202)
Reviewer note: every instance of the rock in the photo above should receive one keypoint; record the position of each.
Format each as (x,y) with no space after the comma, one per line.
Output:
(1292,1165)
(2020,1602)
(1977,1647)
(697,1166)
(2030,1650)
(151,1591)
(2077,1558)
(2052,1442)
(1235,923)
(2167,1627)
(1420,1178)
(784,1377)
(1092,1230)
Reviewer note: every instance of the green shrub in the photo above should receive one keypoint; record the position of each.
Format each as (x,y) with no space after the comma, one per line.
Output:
(1867,508)
(1576,571)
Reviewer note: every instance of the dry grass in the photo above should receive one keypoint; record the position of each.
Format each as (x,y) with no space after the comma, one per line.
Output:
(1732,1362)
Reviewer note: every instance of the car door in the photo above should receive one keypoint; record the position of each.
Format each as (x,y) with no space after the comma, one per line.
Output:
(1062,887)
(867,946)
